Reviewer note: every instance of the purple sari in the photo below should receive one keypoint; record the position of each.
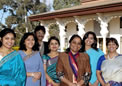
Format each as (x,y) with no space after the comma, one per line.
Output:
(34,64)
(113,83)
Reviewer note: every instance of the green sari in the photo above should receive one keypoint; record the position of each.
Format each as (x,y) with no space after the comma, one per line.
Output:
(51,67)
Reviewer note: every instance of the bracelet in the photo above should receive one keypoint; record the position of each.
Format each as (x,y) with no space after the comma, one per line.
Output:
(32,74)
(49,81)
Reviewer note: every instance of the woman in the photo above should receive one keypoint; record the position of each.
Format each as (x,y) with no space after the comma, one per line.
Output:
(73,68)
(109,67)
(12,70)
(89,45)
(50,61)
(33,62)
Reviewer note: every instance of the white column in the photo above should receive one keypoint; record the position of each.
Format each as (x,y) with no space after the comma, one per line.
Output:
(81,31)
(62,37)
(81,26)
(62,34)
(46,34)
(104,31)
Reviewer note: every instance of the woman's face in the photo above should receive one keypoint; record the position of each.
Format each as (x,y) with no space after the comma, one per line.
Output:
(90,40)
(8,40)
(54,45)
(29,42)
(75,45)
(112,47)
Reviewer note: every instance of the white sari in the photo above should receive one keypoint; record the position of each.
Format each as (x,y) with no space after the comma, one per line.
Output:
(112,69)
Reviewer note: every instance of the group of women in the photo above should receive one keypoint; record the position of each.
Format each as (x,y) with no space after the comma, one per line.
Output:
(82,64)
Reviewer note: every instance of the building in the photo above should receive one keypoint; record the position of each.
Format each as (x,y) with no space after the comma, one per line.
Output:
(104,17)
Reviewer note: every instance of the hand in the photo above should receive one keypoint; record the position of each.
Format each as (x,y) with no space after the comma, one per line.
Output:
(36,76)
(90,84)
(56,84)
(107,84)
(96,83)
(72,84)
(80,83)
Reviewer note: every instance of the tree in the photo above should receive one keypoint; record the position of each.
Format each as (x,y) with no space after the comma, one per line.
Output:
(18,11)
(59,4)
(54,30)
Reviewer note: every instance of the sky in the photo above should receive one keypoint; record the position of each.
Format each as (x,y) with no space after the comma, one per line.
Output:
(51,3)
(2,18)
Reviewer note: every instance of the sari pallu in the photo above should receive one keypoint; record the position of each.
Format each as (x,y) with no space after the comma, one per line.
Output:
(74,66)
(51,68)
(12,70)
(112,71)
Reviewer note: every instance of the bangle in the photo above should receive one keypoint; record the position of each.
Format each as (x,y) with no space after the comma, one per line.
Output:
(49,81)
(32,74)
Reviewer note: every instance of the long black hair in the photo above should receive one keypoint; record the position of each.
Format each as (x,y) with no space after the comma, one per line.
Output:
(5,32)
(22,42)
(73,36)
(94,45)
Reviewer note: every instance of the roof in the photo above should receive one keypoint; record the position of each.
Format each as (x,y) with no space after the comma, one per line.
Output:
(84,9)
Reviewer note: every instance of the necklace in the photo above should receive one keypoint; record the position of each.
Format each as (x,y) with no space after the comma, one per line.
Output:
(112,57)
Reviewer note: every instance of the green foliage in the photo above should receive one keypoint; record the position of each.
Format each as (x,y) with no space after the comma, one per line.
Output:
(54,30)
(59,4)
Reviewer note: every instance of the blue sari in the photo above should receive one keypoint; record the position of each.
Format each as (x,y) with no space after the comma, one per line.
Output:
(94,56)
(51,67)
(12,70)
(34,64)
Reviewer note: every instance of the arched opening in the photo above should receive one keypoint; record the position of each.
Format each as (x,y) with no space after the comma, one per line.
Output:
(93,25)
(70,28)
(115,30)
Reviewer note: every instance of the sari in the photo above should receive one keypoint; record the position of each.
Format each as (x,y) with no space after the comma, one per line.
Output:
(94,57)
(112,71)
(51,68)
(12,70)
(34,64)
